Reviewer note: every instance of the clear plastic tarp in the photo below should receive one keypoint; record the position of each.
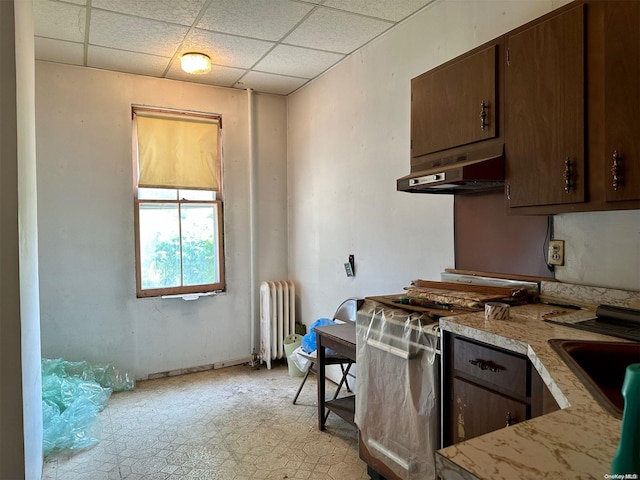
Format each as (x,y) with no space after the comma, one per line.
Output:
(397,408)
(72,395)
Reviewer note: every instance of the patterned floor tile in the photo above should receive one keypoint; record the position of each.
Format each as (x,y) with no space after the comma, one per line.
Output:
(229,424)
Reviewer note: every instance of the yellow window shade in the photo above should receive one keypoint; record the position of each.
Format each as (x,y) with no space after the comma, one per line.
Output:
(177,153)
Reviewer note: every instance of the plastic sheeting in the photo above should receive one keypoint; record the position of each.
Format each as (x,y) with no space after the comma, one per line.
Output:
(309,340)
(72,395)
(397,408)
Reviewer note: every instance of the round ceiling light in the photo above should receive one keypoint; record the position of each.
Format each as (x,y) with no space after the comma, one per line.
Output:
(195,63)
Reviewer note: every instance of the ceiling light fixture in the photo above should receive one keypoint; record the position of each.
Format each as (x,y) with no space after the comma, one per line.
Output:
(195,63)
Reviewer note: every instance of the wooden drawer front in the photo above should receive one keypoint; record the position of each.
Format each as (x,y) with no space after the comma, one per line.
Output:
(492,367)
(476,411)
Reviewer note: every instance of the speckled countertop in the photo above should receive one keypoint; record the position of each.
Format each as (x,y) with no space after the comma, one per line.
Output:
(575,442)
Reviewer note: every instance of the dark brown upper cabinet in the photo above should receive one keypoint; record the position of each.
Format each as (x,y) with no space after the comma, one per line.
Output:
(545,111)
(559,96)
(455,105)
(607,109)
(621,172)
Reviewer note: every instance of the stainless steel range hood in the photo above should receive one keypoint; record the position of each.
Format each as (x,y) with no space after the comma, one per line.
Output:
(480,170)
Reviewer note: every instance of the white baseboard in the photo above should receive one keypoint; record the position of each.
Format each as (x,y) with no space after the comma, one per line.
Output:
(201,368)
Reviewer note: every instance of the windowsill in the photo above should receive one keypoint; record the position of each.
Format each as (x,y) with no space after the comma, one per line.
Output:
(194,296)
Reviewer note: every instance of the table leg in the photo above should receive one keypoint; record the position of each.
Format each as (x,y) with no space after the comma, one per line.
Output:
(321,383)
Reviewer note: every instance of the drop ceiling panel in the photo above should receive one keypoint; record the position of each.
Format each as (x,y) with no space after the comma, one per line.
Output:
(272,46)
(297,61)
(59,20)
(135,34)
(183,12)
(254,18)
(336,31)
(59,51)
(123,61)
(385,9)
(269,83)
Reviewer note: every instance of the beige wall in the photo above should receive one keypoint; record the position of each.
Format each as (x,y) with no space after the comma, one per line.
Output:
(89,307)
(20,380)
(602,249)
(11,428)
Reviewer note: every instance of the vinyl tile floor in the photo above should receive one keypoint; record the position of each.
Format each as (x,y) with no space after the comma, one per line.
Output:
(233,423)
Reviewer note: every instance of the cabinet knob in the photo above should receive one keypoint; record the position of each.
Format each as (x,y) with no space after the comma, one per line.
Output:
(616,170)
(483,115)
(568,175)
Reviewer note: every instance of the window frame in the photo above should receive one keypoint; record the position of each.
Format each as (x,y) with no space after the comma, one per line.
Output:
(219,286)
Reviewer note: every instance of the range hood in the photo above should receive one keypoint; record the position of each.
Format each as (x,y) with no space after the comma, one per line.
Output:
(477,171)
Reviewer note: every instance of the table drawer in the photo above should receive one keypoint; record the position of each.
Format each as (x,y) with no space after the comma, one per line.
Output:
(491,367)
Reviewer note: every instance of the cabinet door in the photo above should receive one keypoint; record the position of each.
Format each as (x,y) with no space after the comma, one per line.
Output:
(622,100)
(455,105)
(544,108)
(476,411)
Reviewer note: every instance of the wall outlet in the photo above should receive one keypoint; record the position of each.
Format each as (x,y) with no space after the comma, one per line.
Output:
(556,252)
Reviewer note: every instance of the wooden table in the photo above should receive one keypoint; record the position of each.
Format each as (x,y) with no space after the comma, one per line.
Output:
(341,339)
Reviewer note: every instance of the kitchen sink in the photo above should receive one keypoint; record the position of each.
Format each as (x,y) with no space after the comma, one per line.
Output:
(601,367)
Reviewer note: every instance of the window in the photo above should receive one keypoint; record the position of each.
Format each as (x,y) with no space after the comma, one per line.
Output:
(178,202)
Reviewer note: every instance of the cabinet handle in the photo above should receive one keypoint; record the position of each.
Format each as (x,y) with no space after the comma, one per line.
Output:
(616,170)
(510,420)
(483,365)
(483,115)
(568,175)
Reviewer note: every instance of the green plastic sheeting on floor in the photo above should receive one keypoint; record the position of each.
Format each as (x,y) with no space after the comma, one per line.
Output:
(72,395)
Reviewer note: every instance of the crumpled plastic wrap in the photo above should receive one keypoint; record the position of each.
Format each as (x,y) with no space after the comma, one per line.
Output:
(73,393)
(397,408)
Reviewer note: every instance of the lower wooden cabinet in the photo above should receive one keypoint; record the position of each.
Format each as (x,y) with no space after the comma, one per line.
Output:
(487,388)
(476,411)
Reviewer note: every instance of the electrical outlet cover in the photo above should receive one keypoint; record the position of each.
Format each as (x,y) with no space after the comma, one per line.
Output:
(556,252)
